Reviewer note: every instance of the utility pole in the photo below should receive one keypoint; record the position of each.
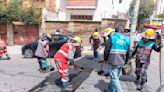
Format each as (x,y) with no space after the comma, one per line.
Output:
(134,22)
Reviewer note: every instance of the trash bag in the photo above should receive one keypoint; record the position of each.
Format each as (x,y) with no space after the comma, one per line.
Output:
(127,69)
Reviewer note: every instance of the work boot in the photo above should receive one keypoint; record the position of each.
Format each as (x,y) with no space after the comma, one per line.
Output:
(106,74)
(100,72)
(140,87)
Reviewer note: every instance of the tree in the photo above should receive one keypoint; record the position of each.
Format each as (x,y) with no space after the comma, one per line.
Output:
(3,17)
(145,10)
(14,11)
(161,16)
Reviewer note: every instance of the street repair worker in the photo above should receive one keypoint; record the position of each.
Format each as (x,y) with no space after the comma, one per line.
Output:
(3,50)
(95,40)
(42,51)
(106,35)
(143,51)
(65,58)
(116,54)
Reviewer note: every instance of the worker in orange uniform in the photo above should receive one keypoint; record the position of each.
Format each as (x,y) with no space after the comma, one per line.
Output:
(3,50)
(65,57)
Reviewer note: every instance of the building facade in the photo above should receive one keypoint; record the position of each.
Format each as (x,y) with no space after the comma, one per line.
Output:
(88,9)
(159,7)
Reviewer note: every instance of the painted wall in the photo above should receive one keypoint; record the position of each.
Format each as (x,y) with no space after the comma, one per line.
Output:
(107,8)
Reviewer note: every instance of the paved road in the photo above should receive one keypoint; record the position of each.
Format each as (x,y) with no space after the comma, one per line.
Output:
(21,75)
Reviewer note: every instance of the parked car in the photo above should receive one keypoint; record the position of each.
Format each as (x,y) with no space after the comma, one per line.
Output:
(28,50)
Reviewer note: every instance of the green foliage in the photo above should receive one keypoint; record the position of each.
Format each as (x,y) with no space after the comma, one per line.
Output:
(145,10)
(161,16)
(14,11)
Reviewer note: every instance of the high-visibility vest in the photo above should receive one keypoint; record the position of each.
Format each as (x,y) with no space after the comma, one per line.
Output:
(144,51)
(119,47)
(67,51)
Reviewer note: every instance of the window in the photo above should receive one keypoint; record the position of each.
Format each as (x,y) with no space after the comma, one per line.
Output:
(81,17)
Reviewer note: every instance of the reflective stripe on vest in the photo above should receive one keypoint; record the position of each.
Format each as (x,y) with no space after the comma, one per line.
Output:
(114,51)
(63,52)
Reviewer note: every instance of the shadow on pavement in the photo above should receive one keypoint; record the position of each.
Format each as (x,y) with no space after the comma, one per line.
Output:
(52,82)
(129,78)
(102,85)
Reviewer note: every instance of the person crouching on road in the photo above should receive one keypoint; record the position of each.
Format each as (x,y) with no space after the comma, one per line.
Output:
(95,40)
(143,52)
(3,50)
(42,50)
(116,53)
(65,57)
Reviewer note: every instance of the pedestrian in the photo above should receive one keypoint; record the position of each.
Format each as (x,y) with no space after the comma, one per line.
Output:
(143,51)
(65,58)
(116,54)
(3,50)
(106,35)
(95,41)
(42,51)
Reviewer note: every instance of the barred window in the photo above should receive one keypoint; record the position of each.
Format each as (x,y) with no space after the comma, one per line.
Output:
(81,17)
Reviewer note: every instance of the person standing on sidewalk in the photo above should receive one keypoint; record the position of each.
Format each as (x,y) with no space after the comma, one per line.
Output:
(143,52)
(116,54)
(95,40)
(65,57)
(42,50)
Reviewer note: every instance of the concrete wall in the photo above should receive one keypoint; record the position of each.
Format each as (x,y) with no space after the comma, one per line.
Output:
(112,22)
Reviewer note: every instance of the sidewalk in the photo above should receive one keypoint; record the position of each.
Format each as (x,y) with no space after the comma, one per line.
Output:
(16,49)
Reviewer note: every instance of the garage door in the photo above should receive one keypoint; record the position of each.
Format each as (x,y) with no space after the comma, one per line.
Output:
(25,33)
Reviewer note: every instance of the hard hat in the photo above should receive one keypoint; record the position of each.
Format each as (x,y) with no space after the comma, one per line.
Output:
(107,31)
(48,35)
(149,34)
(77,39)
(95,35)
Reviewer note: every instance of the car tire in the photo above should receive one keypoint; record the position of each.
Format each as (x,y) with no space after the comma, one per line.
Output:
(28,53)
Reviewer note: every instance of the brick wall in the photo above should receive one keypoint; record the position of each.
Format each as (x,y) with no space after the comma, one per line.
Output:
(52,26)
(113,22)
(77,28)
(82,28)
